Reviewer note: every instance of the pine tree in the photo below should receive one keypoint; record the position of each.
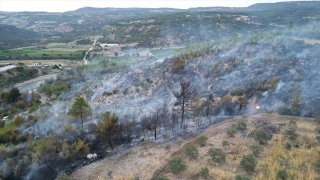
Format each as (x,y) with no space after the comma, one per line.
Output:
(80,108)
(105,126)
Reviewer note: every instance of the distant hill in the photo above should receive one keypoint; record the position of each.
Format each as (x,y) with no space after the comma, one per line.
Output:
(286,5)
(94,10)
(11,37)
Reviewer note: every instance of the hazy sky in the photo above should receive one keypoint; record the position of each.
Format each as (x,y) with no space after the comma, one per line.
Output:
(67,5)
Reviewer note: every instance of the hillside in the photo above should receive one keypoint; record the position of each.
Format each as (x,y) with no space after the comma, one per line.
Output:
(161,27)
(11,37)
(298,161)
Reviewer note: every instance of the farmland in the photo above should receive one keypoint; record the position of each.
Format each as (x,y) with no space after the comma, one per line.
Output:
(60,51)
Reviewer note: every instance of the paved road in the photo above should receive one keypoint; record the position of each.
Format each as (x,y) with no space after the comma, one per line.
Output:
(7,68)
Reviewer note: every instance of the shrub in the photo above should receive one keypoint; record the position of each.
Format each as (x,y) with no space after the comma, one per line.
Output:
(225,143)
(318,130)
(292,134)
(202,140)
(318,164)
(241,125)
(177,165)
(167,147)
(242,177)
(288,146)
(63,176)
(284,110)
(192,151)
(178,64)
(318,138)
(217,155)
(163,177)
(317,119)
(231,131)
(282,174)
(204,172)
(262,136)
(248,163)
(256,149)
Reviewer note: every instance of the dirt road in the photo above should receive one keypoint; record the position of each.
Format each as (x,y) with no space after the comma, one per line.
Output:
(33,83)
(7,68)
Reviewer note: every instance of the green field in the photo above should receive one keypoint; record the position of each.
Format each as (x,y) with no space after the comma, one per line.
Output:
(163,52)
(36,53)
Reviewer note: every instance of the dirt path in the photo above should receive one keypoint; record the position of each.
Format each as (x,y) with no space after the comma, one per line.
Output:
(33,83)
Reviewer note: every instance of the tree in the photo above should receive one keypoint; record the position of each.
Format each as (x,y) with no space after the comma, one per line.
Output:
(44,151)
(80,108)
(186,94)
(127,129)
(248,163)
(297,103)
(13,95)
(81,148)
(106,125)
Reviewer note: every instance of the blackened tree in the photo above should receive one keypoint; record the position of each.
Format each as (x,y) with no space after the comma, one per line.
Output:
(186,94)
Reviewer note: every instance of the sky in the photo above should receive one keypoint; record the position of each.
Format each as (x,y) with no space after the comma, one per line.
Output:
(69,5)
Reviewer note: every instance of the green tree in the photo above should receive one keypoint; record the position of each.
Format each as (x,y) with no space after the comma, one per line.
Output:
(80,108)
(105,126)
(248,163)
(44,151)
(192,151)
(81,148)
(177,165)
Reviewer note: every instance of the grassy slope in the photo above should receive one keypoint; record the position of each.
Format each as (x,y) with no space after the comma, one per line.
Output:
(298,162)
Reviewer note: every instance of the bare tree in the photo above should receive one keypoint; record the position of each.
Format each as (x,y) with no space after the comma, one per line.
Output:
(186,94)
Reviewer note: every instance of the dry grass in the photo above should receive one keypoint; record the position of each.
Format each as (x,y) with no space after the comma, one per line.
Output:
(153,162)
